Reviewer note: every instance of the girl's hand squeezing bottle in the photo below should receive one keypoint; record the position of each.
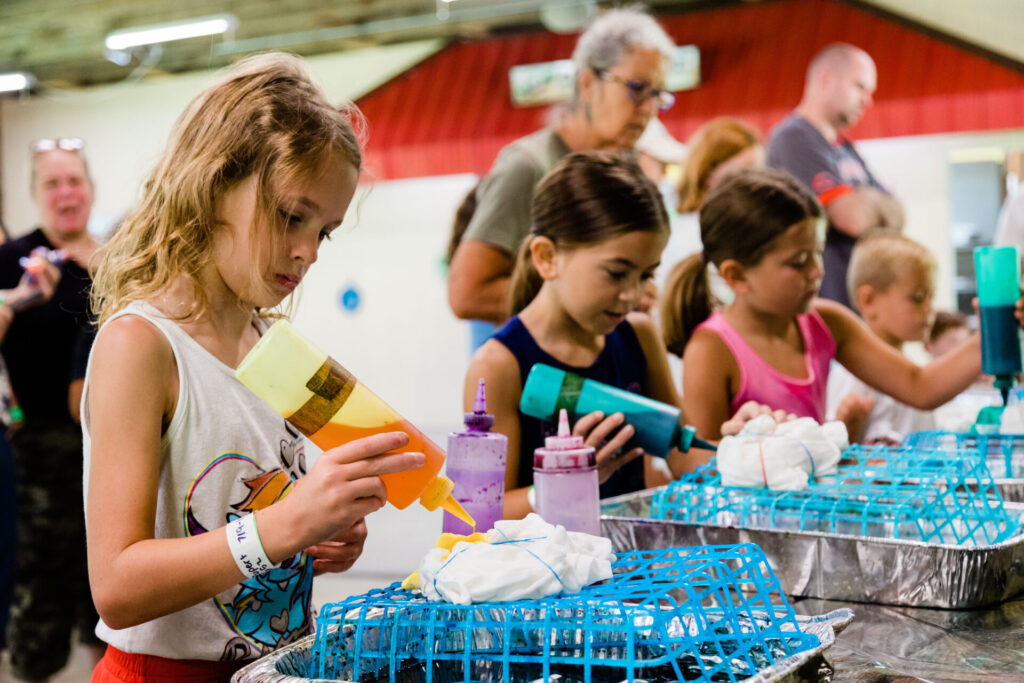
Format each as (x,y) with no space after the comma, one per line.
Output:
(331,407)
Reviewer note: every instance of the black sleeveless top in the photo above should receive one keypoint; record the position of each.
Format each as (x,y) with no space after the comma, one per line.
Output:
(621,364)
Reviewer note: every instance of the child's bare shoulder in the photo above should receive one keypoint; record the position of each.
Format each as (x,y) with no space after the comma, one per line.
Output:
(830,309)
(496,359)
(706,353)
(705,343)
(131,342)
(642,323)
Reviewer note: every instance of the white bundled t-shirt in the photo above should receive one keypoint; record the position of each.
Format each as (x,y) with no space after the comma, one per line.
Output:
(225,454)
(780,456)
(523,559)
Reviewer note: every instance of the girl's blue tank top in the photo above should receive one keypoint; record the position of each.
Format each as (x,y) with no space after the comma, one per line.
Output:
(621,364)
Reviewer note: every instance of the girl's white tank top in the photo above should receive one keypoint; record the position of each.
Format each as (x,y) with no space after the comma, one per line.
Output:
(225,454)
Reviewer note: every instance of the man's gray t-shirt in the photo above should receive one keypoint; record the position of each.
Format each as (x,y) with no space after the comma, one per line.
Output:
(502,216)
(829,171)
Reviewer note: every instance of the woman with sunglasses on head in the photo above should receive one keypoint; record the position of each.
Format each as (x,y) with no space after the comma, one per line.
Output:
(47,310)
(621,62)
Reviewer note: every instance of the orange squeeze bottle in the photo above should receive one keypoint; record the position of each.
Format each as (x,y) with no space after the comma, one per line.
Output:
(329,405)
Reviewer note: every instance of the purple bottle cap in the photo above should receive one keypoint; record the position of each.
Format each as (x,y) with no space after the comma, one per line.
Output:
(479,420)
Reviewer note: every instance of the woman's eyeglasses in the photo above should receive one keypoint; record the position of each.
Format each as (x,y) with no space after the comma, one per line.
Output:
(639,91)
(50,144)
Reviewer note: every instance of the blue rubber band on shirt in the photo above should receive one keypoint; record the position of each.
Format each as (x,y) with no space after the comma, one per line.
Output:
(802,445)
(507,541)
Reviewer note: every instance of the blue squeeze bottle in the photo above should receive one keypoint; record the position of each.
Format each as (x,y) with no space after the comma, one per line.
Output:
(997,270)
(657,425)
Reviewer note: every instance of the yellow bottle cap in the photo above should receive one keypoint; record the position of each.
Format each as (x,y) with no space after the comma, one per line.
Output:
(437,490)
(439,493)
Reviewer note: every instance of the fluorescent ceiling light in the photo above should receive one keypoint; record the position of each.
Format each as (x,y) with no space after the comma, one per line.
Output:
(16,81)
(177,30)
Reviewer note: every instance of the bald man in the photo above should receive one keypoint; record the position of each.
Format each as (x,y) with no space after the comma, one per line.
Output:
(808,143)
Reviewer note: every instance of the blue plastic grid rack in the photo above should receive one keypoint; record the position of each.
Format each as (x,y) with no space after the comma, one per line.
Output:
(713,613)
(878,491)
(1004,453)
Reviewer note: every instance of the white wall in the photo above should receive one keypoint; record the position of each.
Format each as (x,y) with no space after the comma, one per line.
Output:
(403,341)
(125,127)
(917,171)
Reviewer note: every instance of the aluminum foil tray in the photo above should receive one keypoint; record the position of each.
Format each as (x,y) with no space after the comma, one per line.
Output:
(291,664)
(829,566)
(1012,490)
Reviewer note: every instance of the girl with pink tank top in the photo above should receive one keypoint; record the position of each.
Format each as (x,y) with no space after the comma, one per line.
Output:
(759,381)
(764,232)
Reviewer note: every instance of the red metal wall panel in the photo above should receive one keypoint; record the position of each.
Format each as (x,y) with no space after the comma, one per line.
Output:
(452,113)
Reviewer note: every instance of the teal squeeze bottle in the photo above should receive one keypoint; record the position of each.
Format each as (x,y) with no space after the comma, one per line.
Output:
(997,270)
(657,426)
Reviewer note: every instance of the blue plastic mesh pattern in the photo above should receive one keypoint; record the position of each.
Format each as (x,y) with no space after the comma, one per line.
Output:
(1004,453)
(878,491)
(713,613)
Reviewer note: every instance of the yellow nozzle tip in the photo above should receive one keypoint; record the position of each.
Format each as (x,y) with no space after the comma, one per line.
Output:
(451,505)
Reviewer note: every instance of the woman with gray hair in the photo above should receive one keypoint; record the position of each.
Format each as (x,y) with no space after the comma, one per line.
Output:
(621,62)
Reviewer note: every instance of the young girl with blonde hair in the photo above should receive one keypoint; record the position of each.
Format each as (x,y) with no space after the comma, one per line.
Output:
(774,342)
(198,560)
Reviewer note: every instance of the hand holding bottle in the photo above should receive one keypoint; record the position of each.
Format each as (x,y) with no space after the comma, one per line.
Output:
(39,281)
(343,486)
(608,436)
(324,401)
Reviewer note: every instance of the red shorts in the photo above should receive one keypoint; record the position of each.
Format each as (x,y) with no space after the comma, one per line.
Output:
(123,667)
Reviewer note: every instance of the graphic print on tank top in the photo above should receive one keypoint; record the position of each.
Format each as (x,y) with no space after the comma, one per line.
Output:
(272,610)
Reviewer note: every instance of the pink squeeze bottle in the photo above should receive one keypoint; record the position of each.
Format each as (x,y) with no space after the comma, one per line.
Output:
(476,463)
(565,481)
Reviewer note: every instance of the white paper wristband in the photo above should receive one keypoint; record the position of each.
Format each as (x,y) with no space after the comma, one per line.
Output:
(246,548)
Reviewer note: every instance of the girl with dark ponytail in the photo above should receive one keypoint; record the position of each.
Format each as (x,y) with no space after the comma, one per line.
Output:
(598,228)
(764,232)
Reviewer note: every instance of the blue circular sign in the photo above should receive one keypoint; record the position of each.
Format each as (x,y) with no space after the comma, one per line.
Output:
(350,298)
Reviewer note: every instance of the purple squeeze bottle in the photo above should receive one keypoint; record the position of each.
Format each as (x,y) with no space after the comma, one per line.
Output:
(565,481)
(476,463)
